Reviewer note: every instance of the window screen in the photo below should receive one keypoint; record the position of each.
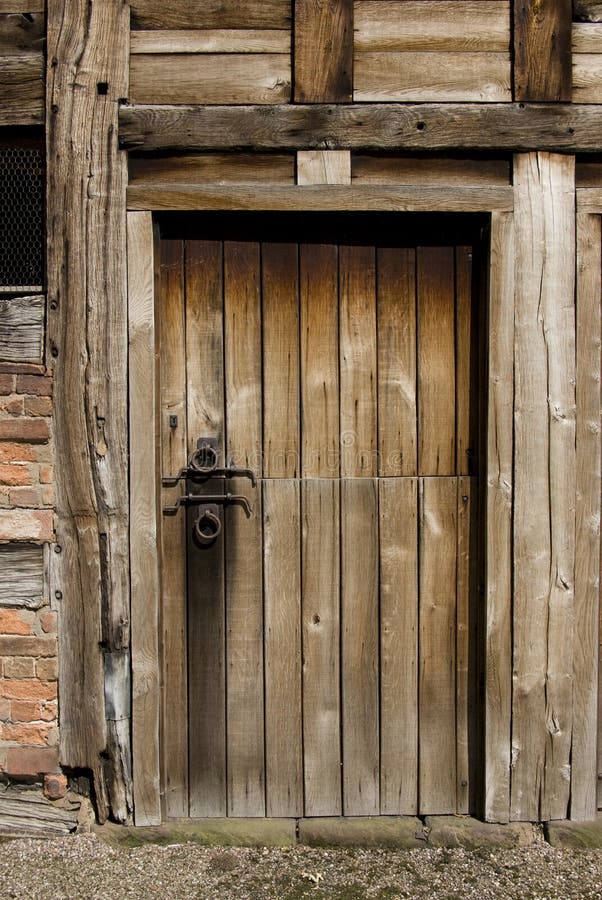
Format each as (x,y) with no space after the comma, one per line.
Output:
(21,218)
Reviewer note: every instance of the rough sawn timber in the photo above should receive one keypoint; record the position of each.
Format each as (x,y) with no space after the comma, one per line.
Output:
(88,46)
(542,50)
(368,126)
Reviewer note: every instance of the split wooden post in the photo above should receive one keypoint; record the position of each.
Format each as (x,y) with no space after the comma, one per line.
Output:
(544,489)
(87,75)
(542,50)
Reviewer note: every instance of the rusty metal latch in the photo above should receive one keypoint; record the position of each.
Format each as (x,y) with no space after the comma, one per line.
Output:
(205,499)
(203,465)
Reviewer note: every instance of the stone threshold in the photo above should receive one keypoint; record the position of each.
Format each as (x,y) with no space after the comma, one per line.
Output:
(389,832)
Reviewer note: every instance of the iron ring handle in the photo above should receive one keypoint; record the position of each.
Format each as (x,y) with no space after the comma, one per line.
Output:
(207,528)
(204,460)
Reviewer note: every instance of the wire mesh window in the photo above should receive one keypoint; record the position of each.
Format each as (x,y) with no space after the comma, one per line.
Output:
(21,218)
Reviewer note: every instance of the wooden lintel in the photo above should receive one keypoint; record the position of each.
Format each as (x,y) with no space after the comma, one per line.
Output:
(392,198)
(370,126)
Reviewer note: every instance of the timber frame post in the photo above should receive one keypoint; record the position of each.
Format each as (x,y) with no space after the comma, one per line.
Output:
(88,47)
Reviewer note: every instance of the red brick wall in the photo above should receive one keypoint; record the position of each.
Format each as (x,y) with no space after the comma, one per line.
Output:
(28,637)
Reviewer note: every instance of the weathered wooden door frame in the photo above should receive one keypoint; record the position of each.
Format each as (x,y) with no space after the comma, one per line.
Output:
(501,350)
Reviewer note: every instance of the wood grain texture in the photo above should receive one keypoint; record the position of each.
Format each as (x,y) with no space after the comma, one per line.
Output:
(498,660)
(214,168)
(398,127)
(174,454)
(22,329)
(422,77)
(589,200)
(587,556)
(319,361)
(398,536)
(587,71)
(463,632)
(256,78)
(86,181)
(411,170)
(323,167)
(437,679)
(397,411)
(542,50)
(23,583)
(463,327)
(206,625)
(323,51)
(586,38)
(544,499)
(359,646)
(21,34)
(17,6)
(281,351)
(211,14)
(145,584)
(587,10)
(282,604)
(221,40)
(436,361)
(357,362)
(320,503)
(22,88)
(354,198)
(467,25)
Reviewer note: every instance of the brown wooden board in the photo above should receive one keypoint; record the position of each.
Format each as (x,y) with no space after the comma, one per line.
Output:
(22,88)
(211,14)
(542,50)
(323,68)
(427,171)
(221,40)
(399,127)
(206,575)
(21,34)
(212,168)
(398,520)
(22,329)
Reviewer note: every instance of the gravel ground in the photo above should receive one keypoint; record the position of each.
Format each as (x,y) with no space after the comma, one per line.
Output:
(84,867)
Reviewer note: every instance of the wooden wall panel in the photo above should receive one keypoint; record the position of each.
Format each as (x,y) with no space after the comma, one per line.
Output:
(424,171)
(22,329)
(323,167)
(587,10)
(22,89)
(587,63)
(542,50)
(22,581)
(211,14)
(21,34)
(544,504)
(86,184)
(477,25)
(214,168)
(221,40)
(587,562)
(255,78)
(323,51)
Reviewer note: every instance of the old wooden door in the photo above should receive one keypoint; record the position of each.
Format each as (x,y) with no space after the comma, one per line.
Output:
(328,633)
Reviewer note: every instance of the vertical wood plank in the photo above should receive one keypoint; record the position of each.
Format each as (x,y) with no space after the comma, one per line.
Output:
(463,631)
(358,410)
(396,308)
(87,324)
(206,598)
(463,358)
(498,664)
(542,50)
(244,587)
(437,684)
(172,321)
(280,290)
(398,517)
(319,360)
(584,770)
(359,646)
(323,51)
(323,167)
(436,362)
(321,658)
(146,596)
(544,466)
(282,588)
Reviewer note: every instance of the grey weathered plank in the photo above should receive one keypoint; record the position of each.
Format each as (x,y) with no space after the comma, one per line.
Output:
(21,34)
(90,339)
(587,10)
(222,40)
(22,329)
(27,813)
(339,197)
(544,499)
(22,89)
(587,554)
(22,582)
(145,586)
(415,126)
(498,661)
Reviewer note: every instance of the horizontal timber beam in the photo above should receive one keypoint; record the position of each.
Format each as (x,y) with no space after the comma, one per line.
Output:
(371,126)
(319,198)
